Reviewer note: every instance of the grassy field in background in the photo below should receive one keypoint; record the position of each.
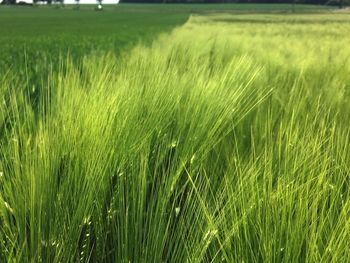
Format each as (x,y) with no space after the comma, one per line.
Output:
(45,34)
(225,139)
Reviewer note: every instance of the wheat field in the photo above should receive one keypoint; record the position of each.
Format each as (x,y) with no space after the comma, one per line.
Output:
(226,140)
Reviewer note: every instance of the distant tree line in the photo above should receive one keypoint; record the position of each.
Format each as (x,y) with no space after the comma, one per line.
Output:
(49,1)
(340,3)
(13,2)
(314,2)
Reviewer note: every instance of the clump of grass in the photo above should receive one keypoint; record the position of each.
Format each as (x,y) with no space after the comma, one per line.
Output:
(199,149)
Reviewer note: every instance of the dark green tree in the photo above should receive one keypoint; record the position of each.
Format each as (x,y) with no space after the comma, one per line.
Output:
(8,2)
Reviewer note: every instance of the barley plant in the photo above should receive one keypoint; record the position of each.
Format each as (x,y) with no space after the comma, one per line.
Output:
(226,140)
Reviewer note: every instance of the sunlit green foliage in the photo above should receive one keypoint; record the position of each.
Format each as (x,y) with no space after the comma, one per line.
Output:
(225,141)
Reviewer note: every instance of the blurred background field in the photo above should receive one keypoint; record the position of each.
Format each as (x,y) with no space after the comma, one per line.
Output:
(44,34)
